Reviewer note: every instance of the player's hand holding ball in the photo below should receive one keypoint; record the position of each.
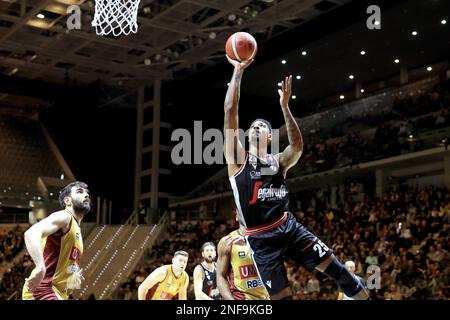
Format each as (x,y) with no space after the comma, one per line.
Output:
(240,49)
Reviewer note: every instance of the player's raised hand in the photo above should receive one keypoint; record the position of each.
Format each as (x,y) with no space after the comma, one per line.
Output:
(285,91)
(239,65)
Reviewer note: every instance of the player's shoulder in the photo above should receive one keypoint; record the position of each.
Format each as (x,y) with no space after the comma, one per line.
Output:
(198,268)
(61,216)
(162,270)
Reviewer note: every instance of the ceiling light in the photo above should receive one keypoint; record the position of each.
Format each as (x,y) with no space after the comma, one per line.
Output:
(414,33)
(147,62)
(429,68)
(362,52)
(40,16)
(212,35)
(283,61)
(232,17)
(443,21)
(13,71)
(351,76)
(396,61)
(294,97)
(304,53)
(341,97)
(362,90)
(298,77)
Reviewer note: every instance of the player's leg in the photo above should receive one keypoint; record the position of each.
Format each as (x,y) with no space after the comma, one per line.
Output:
(270,267)
(274,277)
(351,285)
(311,253)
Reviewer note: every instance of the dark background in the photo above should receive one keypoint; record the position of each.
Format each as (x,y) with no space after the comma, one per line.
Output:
(99,143)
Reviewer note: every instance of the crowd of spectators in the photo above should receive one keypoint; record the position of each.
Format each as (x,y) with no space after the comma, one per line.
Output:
(11,243)
(389,139)
(14,278)
(405,235)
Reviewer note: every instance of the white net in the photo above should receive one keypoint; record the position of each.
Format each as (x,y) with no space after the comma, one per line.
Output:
(117,17)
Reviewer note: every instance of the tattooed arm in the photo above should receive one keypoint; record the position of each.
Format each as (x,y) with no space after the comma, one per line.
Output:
(289,157)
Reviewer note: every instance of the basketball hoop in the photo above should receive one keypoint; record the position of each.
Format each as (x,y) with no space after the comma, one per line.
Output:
(118,17)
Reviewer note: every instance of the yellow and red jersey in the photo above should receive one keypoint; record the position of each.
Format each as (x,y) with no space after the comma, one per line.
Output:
(243,277)
(168,288)
(62,255)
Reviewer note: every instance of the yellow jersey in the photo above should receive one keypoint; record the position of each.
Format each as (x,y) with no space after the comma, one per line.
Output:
(168,288)
(243,277)
(62,256)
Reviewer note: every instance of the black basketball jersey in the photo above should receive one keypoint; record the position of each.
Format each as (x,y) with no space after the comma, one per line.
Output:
(210,282)
(260,192)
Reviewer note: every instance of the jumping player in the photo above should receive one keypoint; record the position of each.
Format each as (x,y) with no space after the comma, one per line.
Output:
(168,281)
(261,196)
(55,244)
(205,284)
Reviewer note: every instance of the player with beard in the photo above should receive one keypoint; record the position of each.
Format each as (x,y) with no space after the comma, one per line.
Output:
(261,196)
(205,284)
(55,244)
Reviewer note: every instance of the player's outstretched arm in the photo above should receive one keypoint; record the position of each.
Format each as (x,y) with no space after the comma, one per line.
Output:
(223,266)
(290,155)
(199,276)
(233,149)
(153,278)
(59,220)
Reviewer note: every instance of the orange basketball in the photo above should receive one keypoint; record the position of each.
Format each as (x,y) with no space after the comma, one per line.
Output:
(241,46)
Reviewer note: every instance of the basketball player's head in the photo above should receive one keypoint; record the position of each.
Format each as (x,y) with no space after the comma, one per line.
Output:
(350,265)
(179,261)
(209,252)
(260,132)
(76,196)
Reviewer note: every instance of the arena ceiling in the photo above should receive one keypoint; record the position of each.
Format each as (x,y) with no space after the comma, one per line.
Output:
(174,38)
(184,39)
(331,58)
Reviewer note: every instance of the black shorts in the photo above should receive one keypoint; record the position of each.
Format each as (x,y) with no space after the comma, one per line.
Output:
(290,240)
